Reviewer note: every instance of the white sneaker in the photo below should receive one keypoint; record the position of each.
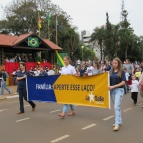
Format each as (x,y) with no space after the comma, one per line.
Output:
(116,128)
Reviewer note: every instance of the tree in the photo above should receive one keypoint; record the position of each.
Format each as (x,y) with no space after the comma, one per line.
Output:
(98,35)
(22,17)
(126,33)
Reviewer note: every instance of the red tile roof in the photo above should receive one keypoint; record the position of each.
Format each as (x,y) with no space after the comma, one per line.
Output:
(10,41)
(51,44)
(7,40)
(21,37)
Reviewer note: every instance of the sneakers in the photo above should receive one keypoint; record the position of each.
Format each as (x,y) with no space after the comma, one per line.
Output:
(119,125)
(15,93)
(116,128)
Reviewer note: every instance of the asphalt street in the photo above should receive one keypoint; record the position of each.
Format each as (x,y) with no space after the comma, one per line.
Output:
(89,125)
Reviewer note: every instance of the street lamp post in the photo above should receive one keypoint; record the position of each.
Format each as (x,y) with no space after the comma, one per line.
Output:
(82,51)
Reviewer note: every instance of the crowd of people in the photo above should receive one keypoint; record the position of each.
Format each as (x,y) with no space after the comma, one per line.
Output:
(20,58)
(124,77)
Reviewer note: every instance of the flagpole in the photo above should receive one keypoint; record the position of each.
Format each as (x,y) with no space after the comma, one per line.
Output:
(48,30)
(38,25)
(39,34)
(56,32)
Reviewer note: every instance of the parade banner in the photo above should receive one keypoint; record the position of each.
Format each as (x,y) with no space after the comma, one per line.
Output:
(86,91)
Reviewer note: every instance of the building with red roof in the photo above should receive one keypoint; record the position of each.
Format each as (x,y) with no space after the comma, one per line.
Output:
(19,44)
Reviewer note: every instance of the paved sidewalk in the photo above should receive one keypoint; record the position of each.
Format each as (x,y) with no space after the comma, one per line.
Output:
(7,95)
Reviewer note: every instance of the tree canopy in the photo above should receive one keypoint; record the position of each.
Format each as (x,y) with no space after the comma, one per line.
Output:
(118,40)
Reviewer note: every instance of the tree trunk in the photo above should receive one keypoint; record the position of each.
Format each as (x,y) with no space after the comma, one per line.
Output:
(101,53)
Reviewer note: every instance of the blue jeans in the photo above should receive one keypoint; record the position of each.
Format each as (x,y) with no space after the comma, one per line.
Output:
(116,96)
(65,108)
(3,86)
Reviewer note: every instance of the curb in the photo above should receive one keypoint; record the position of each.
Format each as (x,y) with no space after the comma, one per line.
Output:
(8,97)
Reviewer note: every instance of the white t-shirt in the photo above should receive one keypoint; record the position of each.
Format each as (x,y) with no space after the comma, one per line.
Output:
(89,70)
(68,70)
(36,73)
(134,86)
(127,76)
(78,62)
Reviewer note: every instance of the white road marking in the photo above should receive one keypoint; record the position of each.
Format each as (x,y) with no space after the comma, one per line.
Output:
(108,118)
(3,110)
(92,125)
(60,138)
(14,96)
(22,119)
(55,111)
(127,109)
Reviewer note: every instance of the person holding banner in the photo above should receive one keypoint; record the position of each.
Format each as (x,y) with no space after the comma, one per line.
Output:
(68,69)
(117,82)
(21,77)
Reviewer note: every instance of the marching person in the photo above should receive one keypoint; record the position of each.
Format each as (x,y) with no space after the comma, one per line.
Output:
(96,69)
(21,77)
(89,69)
(141,86)
(134,89)
(68,69)
(117,82)
(107,67)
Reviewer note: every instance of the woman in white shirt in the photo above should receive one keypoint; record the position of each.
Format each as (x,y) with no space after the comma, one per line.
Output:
(68,69)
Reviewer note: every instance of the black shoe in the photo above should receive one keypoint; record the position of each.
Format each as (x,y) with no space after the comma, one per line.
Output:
(33,109)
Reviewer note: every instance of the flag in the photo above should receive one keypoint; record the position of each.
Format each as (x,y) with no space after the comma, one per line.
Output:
(33,42)
(39,22)
(49,18)
(58,26)
(59,59)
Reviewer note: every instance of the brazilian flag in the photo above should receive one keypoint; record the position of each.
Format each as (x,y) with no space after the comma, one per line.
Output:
(33,42)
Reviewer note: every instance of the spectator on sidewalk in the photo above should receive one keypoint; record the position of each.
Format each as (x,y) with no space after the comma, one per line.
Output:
(42,72)
(3,82)
(14,76)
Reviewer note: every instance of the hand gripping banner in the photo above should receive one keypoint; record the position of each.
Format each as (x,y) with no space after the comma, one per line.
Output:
(68,89)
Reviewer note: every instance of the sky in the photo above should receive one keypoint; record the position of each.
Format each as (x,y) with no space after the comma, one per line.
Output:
(89,14)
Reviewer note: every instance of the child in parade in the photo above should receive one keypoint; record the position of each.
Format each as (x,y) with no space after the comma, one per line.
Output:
(82,70)
(134,89)
(117,82)
(68,69)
